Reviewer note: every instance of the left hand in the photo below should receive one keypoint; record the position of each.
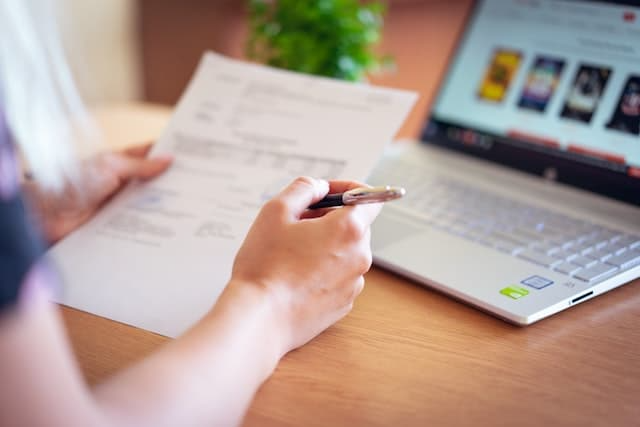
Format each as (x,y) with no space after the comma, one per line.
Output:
(101,176)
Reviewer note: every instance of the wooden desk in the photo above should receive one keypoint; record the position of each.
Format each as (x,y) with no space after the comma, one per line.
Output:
(407,356)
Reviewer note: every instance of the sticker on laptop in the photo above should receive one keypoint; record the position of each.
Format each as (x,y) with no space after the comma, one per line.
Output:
(514,292)
(537,282)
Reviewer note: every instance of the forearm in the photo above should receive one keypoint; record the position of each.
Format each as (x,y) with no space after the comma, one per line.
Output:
(40,383)
(206,377)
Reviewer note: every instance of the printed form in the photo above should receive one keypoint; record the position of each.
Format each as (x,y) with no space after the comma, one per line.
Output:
(159,254)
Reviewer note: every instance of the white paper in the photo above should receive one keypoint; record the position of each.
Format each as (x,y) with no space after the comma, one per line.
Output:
(159,255)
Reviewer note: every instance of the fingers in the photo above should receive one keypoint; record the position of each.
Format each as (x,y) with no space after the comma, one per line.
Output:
(140,150)
(315,213)
(358,287)
(342,186)
(294,200)
(335,186)
(350,292)
(297,196)
(127,167)
(355,220)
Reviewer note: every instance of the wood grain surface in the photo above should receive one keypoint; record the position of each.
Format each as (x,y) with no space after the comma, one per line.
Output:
(408,356)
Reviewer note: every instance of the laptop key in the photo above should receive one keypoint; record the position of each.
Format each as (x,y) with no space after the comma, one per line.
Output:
(601,244)
(511,238)
(631,241)
(539,258)
(616,248)
(595,272)
(609,235)
(600,254)
(625,260)
(567,268)
(584,261)
(582,248)
(545,247)
(509,247)
(525,235)
(564,254)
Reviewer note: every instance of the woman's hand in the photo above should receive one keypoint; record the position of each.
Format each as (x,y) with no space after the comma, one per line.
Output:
(297,272)
(309,264)
(101,177)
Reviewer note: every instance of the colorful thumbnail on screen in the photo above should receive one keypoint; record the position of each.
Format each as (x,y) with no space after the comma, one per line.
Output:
(499,74)
(541,83)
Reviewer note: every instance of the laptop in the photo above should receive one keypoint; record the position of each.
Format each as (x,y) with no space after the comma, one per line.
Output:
(523,195)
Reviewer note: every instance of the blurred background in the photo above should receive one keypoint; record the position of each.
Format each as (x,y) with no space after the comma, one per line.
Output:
(124,51)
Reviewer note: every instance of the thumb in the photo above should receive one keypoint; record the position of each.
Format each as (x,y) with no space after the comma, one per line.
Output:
(127,167)
(301,193)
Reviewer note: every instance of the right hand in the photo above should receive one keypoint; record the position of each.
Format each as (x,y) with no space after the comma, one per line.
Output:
(310,264)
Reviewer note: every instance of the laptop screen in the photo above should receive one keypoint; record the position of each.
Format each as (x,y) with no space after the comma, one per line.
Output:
(551,87)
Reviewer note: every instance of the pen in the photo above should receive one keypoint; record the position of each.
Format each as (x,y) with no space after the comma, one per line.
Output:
(358,196)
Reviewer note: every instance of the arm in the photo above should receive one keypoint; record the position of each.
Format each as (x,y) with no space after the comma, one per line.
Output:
(208,376)
(292,279)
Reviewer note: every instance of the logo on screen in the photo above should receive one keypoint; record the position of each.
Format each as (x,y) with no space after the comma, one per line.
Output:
(629,16)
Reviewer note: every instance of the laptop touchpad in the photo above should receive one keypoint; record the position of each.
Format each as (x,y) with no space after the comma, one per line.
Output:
(388,229)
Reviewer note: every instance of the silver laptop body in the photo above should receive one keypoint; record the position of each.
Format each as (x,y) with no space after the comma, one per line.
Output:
(523,197)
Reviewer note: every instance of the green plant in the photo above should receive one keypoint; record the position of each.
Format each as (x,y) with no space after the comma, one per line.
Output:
(333,38)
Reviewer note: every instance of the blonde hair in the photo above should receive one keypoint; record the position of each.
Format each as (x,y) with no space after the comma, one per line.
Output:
(41,104)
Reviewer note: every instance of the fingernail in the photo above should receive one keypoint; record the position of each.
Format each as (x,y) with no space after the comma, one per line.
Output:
(165,158)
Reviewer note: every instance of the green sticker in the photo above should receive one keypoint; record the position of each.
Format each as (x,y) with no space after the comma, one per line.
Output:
(514,292)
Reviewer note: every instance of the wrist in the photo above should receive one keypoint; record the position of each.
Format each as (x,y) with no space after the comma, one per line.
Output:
(258,307)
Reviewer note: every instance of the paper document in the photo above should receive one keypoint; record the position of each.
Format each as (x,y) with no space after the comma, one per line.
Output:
(159,255)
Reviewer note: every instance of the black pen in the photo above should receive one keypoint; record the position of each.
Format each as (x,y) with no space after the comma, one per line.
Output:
(358,196)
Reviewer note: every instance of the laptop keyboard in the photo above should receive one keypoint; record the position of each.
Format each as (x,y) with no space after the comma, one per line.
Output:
(576,248)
